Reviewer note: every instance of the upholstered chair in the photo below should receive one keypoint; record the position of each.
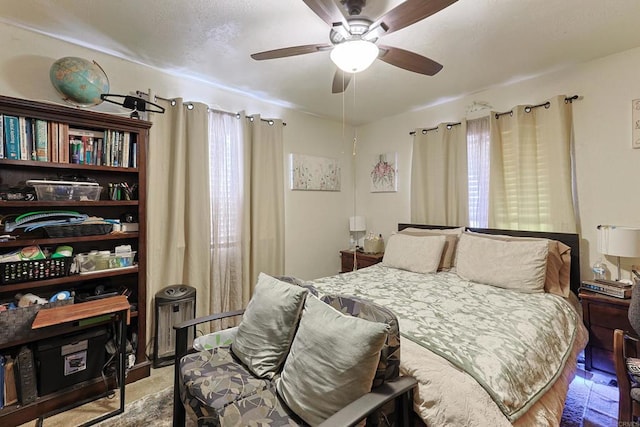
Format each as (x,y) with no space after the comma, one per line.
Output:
(627,363)
(223,386)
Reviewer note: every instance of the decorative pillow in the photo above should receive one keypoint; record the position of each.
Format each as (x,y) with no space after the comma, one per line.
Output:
(447,261)
(268,325)
(223,338)
(417,254)
(333,361)
(633,367)
(519,265)
(557,279)
(453,231)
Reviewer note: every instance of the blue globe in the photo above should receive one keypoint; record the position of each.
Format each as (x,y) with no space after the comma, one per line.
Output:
(79,81)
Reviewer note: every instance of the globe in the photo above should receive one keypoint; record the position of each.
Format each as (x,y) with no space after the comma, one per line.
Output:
(79,81)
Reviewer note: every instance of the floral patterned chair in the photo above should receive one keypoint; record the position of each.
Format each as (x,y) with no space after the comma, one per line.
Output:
(221,386)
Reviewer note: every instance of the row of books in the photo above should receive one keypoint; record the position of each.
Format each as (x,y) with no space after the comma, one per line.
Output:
(25,138)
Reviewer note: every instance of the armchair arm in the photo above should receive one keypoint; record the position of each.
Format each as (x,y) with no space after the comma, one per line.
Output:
(359,409)
(181,331)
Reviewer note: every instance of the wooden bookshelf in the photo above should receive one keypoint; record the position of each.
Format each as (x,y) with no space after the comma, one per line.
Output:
(14,173)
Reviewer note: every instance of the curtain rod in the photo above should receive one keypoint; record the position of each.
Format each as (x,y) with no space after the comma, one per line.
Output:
(528,108)
(190,106)
(424,131)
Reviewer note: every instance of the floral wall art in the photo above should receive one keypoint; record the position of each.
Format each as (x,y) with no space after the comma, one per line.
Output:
(384,177)
(314,173)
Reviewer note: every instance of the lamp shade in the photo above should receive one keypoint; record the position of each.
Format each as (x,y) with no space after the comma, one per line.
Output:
(354,56)
(619,241)
(357,223)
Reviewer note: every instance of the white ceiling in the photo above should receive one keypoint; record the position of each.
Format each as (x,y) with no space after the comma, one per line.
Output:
(481,43)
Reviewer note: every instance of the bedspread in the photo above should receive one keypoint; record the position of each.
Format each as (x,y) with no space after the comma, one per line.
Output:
(514,345)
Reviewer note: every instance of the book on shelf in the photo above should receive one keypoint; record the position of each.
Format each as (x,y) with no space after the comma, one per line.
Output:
(12,137)
(10,392)
(2,136)
(42,140)
(604,288)
(22,129)
(29,135)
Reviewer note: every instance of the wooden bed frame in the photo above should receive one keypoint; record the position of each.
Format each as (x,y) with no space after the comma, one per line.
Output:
(570,239)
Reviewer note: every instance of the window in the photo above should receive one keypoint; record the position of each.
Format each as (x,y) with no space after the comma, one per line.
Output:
(478,170)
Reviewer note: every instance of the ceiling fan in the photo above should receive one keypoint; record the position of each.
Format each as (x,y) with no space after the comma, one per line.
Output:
(358,32)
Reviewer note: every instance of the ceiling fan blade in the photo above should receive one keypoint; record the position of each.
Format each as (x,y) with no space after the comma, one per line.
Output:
(327,10)
(290,51)
(340,81)
(409,60)
(410,12)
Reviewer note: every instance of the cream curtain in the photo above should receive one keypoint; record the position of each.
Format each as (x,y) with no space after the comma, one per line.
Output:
(531,175)
(178,205)
(439,178)
(264,170)
(216,205)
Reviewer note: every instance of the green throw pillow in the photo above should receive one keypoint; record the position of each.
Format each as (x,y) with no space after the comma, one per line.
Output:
(268,324)
(332,362)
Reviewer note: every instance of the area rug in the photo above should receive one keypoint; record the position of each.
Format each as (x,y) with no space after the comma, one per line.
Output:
(589,404)
(151,410)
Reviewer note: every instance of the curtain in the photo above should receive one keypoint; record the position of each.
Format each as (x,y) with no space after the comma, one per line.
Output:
(178,204)
(216,205)
(531,174)
(264,195)
(230,280)
(439,179)
(479,166)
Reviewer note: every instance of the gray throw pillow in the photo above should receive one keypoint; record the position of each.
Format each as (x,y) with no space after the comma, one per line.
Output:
(332,362)
(265,333)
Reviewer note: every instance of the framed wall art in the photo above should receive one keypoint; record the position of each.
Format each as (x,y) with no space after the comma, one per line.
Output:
(384,173)
(314,173)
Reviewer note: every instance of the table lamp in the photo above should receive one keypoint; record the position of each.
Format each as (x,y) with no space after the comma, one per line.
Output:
(357,225)
(619,242)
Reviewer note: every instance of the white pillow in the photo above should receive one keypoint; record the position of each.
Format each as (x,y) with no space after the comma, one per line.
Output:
(418,254)
(519,265)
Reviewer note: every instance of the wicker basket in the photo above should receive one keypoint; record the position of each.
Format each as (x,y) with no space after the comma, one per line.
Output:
(25,271)
(15,324)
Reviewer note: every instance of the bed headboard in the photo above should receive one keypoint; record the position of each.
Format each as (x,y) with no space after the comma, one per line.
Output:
(570,239)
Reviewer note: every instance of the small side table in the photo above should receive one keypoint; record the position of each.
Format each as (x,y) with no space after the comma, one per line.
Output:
(602,314)
(363,260)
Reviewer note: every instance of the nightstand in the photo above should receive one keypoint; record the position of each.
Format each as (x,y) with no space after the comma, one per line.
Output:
(364,260)
(602,314)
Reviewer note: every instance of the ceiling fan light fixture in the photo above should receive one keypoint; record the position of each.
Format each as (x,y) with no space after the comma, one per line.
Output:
(353,56)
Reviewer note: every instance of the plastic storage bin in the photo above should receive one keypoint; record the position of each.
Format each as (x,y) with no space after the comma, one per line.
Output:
(65,190)
(104,260)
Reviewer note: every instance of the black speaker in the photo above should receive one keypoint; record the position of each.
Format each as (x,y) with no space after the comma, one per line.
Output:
(174,305)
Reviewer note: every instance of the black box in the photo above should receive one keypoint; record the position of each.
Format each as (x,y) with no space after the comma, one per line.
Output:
(67,360)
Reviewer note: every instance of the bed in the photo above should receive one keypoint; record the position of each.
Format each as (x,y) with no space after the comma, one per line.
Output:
(489,319)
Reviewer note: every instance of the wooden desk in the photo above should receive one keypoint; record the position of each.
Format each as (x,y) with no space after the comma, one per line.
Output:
(86,310)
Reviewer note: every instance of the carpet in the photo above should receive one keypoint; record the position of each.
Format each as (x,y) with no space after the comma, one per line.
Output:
(151,410)
(591,402)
